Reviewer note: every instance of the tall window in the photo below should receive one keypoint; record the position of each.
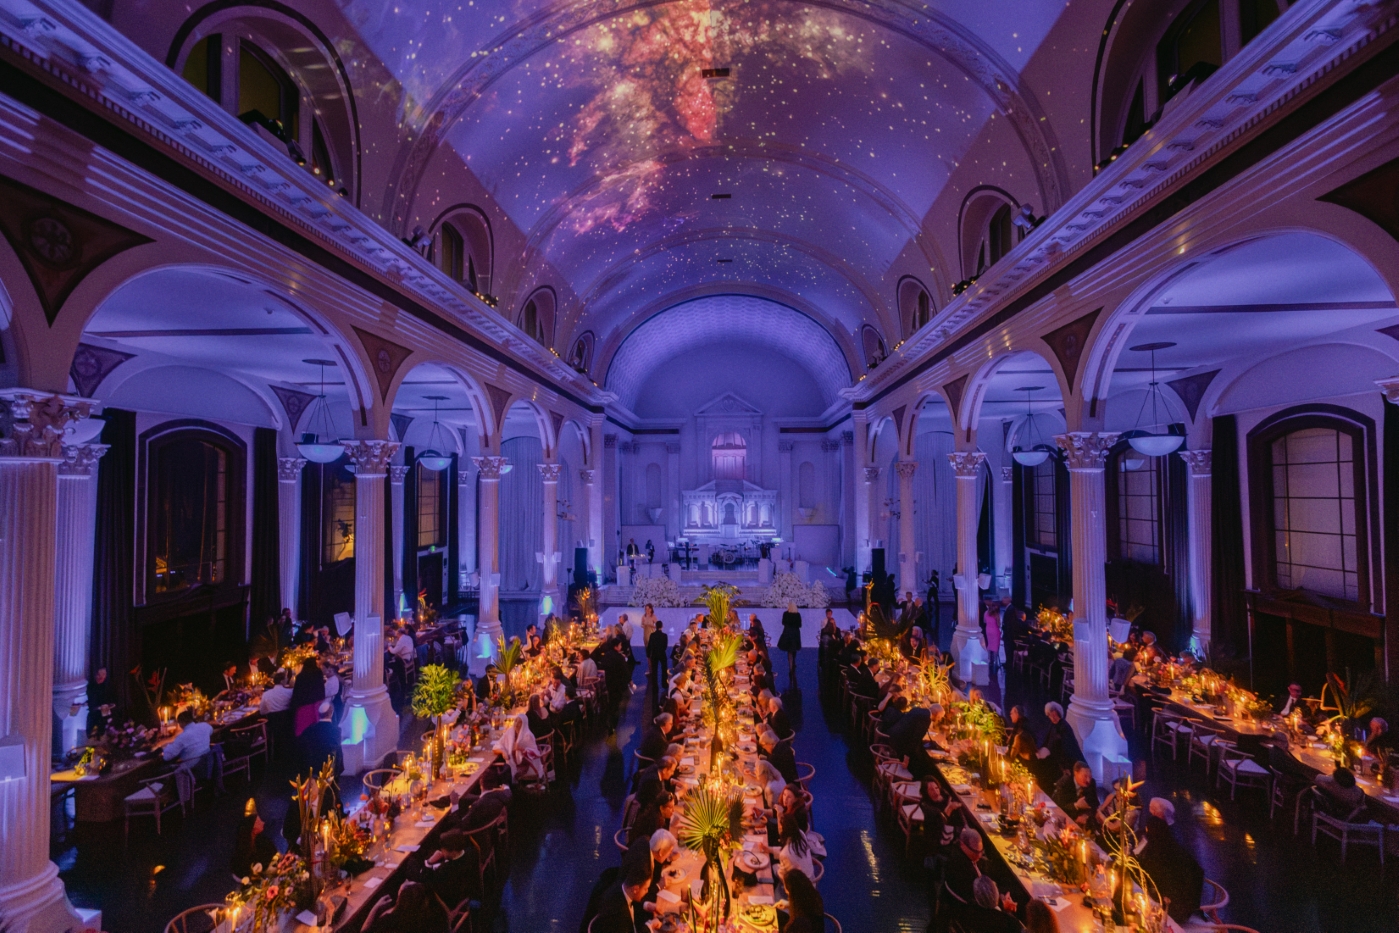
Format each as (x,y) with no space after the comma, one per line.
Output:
(190,514)
(730,456)
(202,65)
(999,232)
(431,504)
(450,250)
(265,88)
(1139,508)
(1314,513)
(1192,50)
(1043,505)
(338,513)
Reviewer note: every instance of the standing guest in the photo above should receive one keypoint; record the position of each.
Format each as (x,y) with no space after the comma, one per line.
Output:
(1077,795)
(626,630)
(192,742)
(252,846)
(649,622)
(791,639)
(657,656)
(416,910)
(101,701)
(1060,748)
(907,741)
(321,741)
(1175,871)
(307,695)
(991,622)
(285,625)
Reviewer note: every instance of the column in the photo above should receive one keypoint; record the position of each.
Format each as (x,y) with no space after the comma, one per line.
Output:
(851,495)
(592,521)
(673,522)
(32,899)
(551,556)
(1090,711)
(488,559)
(609,541)
(77,520)
(369,730)
(289,528)
(466,521)
(965,466)
(867,511)
(908,557)
(397,474)
(787,496)
(1199,538)
(1005,534)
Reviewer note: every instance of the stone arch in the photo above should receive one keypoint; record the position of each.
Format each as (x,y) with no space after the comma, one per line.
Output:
(916,411)
(995,370)
(978,209)
(475,394)
(473,226)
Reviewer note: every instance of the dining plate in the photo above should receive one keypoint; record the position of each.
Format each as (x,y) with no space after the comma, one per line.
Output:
(686,769)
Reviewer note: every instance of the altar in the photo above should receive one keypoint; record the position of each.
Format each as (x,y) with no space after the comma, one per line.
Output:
(729,510)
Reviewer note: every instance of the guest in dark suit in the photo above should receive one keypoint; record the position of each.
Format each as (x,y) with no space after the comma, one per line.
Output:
(990,911)
(964,866)
(1292,700)
(778,719)
(861,680)
(657,738)
(322,741)
(1060,748)
(1177,874)
(101,702)
(779,754)
(1077,795)
(657,654)
(620,910)
(453,870)
(652,781)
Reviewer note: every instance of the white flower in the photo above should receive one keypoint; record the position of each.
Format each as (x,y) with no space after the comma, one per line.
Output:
(658,591)
(788,588)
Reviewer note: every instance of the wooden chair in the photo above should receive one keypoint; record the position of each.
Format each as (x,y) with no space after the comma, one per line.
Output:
(243,764)
(483,838)
(1213,899)
(375,780)
(908,814)
(1203,741)
(201,919)
(157,796)
(832,925)
(805,772)
(1171,730)
(460,917)
(256,740)
(1238,769)
(1369,833)
(619,838)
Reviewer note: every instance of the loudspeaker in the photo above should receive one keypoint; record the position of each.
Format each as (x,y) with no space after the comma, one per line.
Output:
(580,564)
(877,563)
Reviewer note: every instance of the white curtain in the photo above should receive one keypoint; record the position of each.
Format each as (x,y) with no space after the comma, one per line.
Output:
(521,516)
(569,531)
(935,507)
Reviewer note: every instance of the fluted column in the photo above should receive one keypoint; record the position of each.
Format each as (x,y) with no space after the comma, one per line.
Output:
(549,559)
(1090,711)
(32,899)
(592,521)
(369,729)
(77,519)
(786,490)
(466,521)
(1000,505)
(289,528)
(867,512)
(908,569)
(1198,496)
(965,466)
(396,476)
(488,527)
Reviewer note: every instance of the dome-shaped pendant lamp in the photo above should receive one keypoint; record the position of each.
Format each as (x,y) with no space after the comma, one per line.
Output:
(1032,446)
(1154,439)
(440,445)
(318,442)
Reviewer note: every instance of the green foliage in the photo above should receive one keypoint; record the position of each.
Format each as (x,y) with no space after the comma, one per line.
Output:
(710,822)
(718,600)
(508,656)
(723,651)
(1361,698)
(881,628)
(436,692)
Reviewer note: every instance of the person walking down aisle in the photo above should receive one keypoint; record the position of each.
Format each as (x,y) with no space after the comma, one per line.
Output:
(791,640)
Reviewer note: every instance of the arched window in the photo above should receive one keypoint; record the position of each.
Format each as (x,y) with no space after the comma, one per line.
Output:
(265,90)
(1043,531)
(915,306)
(537,317)
(873,345)
(581,356)
(195,506)
(463,248)
(988,231)
(729,454)
(432,507)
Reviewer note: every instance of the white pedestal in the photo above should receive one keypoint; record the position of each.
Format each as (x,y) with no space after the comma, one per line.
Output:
(765,571)
(623,575)
(803,571)
(369,731)
(674,572)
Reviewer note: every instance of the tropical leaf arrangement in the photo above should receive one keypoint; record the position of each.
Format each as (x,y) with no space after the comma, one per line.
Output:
(936,679)
(266,643)
(508,658)
(436,692)
(719,599)
(723,650)
(1349,701)
(709,824)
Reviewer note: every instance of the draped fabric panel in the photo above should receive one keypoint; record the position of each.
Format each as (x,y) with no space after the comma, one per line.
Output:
(311,492)
(984,521)
(570,531)
(935,507)
(449,595)
(114,638)
(1017,525)
(1177,545)
(521,517)
(390,611)
(1230,622)
(1063,531)
(264,577)
(410,533)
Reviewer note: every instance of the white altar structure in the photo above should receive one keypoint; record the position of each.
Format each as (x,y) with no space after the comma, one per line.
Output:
(729,510)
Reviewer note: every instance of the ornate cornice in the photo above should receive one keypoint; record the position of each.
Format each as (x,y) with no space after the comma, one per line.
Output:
(965,463)
(81,460)
(32,423)
(550,472)
(786,447)
(289,469)
(1199,461)
(1390,388)
(490,467)
(1086,451)
(371,458)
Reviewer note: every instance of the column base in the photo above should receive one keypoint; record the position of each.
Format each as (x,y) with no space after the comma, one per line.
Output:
(39,905)
(1100,736)
(960,637)
(369,730)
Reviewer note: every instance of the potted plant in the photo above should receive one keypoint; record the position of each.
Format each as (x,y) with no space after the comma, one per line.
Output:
(434,697)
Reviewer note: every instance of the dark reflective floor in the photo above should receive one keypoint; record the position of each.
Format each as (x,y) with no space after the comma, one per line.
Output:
(1277,883)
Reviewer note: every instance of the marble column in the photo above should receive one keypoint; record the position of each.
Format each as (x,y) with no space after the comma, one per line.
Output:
(32,899)
(908,557)
(289,528)
(397,474)
(1198,498)
(966,464)
(551,556)
(369,729)
(786,491)
(1005,532)
(609,542)
(77,520)
(488,557)
(592,521)
(466,521)
(673,522)
(867,511)
(1090,711)
(854,550)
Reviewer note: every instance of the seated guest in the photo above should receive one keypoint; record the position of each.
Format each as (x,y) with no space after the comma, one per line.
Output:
(1120,670)
(861,680)
(252,846)
(794,851)
(403,647)
(943,817)
(1381,740)
(1339,796)
(777,719)
(1291,701)
(1077,795)
(1023,746)
(656,816)
(276,698)
(990,911)
(652,781)
(1059,750)
(482,811)
(770,780)
(101,702)
(191,744)
(452,872)
(416,910)
(1040,917)
(806,911)
(907,741)
(230,677)
(962,869)
(620,909)
(321,742)
(662,845)
(1176,873)
(779,754)
(541,723)
(654,742)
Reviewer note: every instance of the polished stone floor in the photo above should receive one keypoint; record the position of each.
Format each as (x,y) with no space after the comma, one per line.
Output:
(1277,883)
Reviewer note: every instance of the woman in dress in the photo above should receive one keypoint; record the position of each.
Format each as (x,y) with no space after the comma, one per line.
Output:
(307,695)
(791,640)
(992,623)
(806,912)
(648,623)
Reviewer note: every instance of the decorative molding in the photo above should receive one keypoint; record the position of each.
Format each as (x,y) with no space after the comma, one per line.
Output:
(830,446)
(398,472)
(32,423)
(58,244)
(81,460)
(672,447)
(953,392)
(550,472)
(294,403)
(385,358)
(401,423)
(786,446)
(871,474)
(899,418)
(93,364)
(1374,196)
(1390,388)
(371,458)
(289,469)
(906,469)
(490,468)
(1199,461)
(1069,341)
(627,447)
(557,420)
(1007,474)
(1191,389)
(500,401)
(847,438)
(1391,331)
(727,404)
(1086,450)
(966,463)
(609,441)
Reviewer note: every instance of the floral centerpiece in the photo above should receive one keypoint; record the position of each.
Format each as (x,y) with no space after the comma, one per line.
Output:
(1063,855)
(1056,625)
(266,894)
(709,825)
(657,591)
(789,588)
(434,697)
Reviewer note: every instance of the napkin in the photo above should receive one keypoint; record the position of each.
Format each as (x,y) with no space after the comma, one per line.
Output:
(760,899)
(667,897)
(373,883)
(425,823)
(962,788)
(405,848)
(1056,903)
(306,917)
(687,761)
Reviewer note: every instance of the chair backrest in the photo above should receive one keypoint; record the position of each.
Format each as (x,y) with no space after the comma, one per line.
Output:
(376,779)
(180,923)
(832,924)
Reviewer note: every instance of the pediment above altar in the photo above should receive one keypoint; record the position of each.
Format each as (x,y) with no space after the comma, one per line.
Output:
(728,404)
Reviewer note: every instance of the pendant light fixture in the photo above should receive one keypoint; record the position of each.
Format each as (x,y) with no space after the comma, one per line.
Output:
(1155,438)
(1032,446)
(319,443)
(440,446)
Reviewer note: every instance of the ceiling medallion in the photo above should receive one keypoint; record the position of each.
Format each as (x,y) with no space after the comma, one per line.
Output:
(51,241)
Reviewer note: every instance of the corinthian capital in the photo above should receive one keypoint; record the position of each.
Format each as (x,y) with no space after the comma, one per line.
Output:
(371,458)
(550,472)
(1086,450)
(490,467)
(289,469)
(965,463)
(906,469)
(81,460)
(585,477)
(398,473)
(871,474)
(36,422)
(1199,461)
